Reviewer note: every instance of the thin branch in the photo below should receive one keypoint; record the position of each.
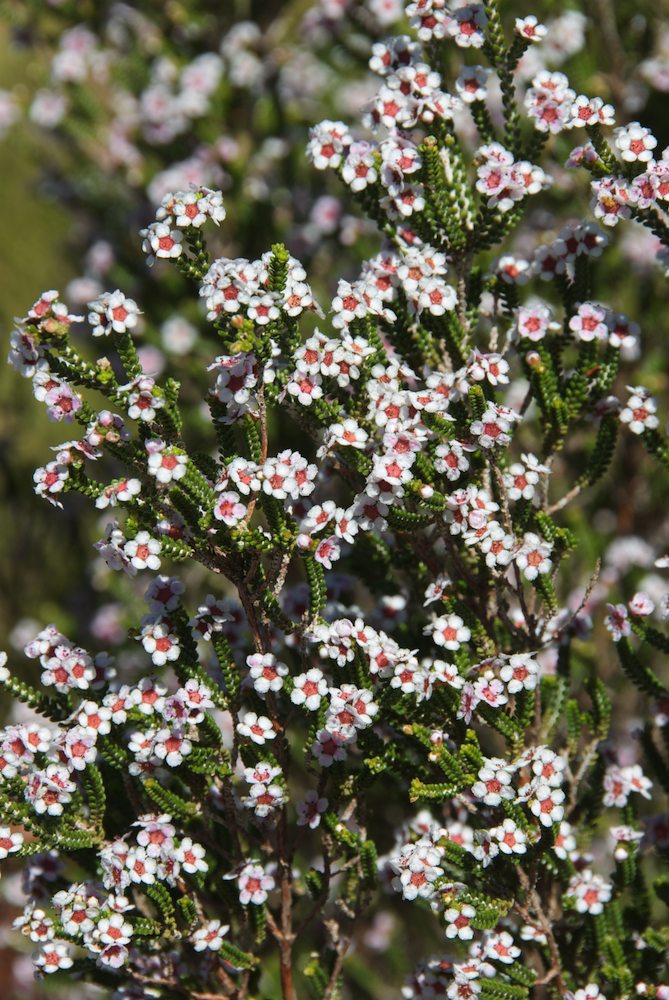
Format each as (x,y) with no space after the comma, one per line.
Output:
(567,498)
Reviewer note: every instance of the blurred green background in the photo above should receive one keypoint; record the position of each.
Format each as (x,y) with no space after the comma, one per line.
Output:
(34,570)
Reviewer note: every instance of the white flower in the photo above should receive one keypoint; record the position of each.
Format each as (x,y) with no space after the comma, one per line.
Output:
(265,672)
(471,84)
(254,884)
(256,727)
(494,784)
(161,241)
(520,672)
(113,930)
(167,464)
(418,883)
(350,708)
(53,956)
(210,936)
(309,689)
(529,27)
(9,842)
(448,631)
(636,143)
(191,856)
(112,312)
(459,921)
(264,799)
(4,670)
(79,747)
(533,556)
(589,892)
(510,838)
(161,644)
(589,992)
(547,805)
(171,746)
(142,551)
(639,413)
(501,948)
(141,868)
(494,426)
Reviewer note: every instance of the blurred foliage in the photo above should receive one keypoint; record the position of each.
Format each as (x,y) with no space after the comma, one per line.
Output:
(36,563)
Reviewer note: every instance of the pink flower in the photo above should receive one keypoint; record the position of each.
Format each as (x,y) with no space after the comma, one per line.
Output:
(310,810)
(62,403)
(330,747)
(229,509)
(327,551)
(589,323)
(641,605)
(617,621)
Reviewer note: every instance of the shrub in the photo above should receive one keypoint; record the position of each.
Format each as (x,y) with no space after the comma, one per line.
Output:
(380,668)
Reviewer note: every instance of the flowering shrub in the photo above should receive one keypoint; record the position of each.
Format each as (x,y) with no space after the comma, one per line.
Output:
(377,675)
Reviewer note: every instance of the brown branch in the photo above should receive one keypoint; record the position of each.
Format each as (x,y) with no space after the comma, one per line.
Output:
(555,970)
(173,984)
(287,935)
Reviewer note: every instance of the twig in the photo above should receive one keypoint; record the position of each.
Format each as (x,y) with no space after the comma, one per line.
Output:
(262,417)
(173,984)
(586,597)
(567,498)
(555,971)
(321,898)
